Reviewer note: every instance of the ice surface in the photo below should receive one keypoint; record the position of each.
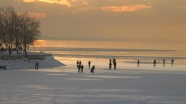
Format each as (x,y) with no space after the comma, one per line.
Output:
(60,86)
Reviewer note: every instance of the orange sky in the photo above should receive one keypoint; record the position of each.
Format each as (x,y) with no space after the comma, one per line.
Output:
(135,20)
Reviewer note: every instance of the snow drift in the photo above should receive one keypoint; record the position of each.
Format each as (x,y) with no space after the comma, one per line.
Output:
(28,61)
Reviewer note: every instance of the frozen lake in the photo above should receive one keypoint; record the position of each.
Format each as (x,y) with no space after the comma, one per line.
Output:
(64,86)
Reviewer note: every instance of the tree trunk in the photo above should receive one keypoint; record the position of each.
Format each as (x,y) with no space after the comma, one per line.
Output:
(17,51)
(9,51)
(25,49)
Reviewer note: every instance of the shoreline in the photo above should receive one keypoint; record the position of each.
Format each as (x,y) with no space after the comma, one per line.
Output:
(20,61)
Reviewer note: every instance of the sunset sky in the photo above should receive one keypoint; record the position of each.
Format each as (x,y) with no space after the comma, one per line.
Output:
(136,20)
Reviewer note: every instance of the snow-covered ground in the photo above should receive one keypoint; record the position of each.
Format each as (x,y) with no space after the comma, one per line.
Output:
(20,62)
(64,86)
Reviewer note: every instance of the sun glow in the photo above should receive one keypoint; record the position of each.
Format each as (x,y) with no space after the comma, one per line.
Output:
(124,8)
(39,43)
(37,15)
(62,2)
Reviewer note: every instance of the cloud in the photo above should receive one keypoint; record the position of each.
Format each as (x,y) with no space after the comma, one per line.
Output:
(85,3)
(182,7)
(37,15)
(62,2)
(124,8)
(147,1)
(76,6)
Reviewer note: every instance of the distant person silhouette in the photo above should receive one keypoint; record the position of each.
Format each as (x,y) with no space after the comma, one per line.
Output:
(110,63)
(82,68)
(138,63)
(89,64)
(36,65)
(172,62)
(154,62)
(114,63)
(79,68)
(163,62)
(77,63)
(110,60)
(92,69)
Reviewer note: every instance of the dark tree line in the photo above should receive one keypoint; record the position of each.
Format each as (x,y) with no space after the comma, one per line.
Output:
(17,31)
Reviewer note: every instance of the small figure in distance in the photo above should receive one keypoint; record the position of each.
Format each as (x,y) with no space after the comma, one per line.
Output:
(77,63)
(163,62)
(110,60)
(154,63)
(138,63)
(36,65)
(172,62)
(80,63)
(82,68)
(92,69)
(110,64)
(89,64)
(114,63)
(79,67)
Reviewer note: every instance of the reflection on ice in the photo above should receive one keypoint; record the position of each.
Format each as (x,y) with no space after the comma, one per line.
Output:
(102,76)
(112,90)
(81,79)
(38,87)
(56,74)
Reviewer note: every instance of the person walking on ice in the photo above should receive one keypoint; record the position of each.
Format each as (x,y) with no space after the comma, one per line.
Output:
(36,65)
(138,63)
(114,63)
(89,64)
(92,69)
(82,68)
(172,62)
(154,62)
(110,63)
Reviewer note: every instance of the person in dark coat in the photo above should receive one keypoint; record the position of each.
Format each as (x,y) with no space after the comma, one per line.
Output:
(138,63)
(163,62)
(154,62)
(89,64)
(92,69)
(114,63)
(79,68)
(36,65)
(80,63)
(110,65)
(172,61)
(82,68)
(77,63)
(110,60)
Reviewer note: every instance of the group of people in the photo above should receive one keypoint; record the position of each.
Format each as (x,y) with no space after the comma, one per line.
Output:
(111,61)
(114,63)
(81,67)
(172,62)
(154,62)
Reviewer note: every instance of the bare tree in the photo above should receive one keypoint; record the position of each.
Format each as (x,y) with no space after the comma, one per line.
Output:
(17,37)
(8,16)
(30,30)
(17,30)
(1,25)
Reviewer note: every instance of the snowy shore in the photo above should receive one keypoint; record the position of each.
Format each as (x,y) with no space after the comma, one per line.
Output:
(21,61)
